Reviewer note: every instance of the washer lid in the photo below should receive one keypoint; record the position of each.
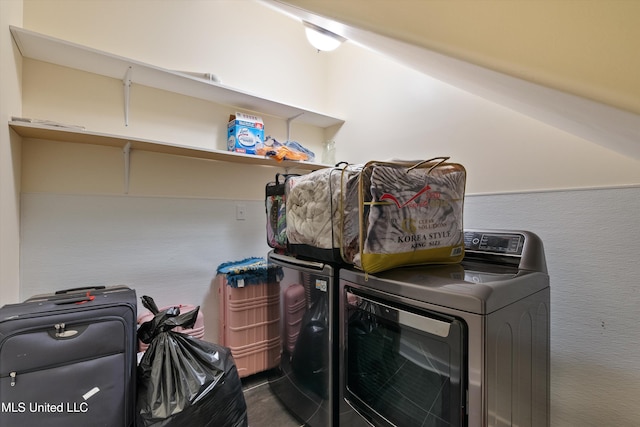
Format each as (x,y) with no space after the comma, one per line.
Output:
(470,287)
(485,281)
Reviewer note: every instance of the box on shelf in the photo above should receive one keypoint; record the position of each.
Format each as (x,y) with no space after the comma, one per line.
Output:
(245,133)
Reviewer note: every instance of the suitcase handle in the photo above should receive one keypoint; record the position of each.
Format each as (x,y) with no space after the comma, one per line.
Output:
(75,300)
(82,288)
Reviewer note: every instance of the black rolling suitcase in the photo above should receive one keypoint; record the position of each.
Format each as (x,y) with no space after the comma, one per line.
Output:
(69,359)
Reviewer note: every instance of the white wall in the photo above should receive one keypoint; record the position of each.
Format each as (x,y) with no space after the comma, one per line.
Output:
(591,240)
(73,202)
(164,247)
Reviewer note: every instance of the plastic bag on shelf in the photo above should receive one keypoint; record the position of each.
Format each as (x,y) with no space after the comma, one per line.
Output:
(290,150)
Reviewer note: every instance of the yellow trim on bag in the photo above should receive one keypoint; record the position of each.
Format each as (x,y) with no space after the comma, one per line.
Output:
(374,263)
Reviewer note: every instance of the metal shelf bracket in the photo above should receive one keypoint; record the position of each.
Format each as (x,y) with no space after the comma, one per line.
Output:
(289,120)
(126,82)
(126,151)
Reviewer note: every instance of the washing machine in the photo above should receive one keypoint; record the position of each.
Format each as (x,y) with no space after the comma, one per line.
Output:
(449,345)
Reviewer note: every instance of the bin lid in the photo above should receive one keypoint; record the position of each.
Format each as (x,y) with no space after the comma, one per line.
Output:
(249,271)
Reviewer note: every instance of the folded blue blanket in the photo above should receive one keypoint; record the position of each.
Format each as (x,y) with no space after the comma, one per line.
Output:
(249,271)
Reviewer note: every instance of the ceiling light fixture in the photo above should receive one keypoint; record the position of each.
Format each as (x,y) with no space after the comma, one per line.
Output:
(320,38)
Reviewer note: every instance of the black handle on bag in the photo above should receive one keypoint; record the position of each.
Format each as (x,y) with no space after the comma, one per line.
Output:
(441,158)
(284,176)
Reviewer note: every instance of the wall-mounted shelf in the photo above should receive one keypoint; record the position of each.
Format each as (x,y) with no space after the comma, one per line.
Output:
(52,133)
(56,51)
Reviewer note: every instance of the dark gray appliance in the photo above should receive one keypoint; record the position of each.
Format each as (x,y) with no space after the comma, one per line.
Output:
(306,380)
(450,345)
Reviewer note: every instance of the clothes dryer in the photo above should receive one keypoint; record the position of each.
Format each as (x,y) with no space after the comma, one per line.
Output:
(306,379)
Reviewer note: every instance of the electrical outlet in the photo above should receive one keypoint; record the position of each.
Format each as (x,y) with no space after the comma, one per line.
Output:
(241,211)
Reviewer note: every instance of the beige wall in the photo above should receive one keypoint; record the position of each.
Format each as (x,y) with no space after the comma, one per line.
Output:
(397,112)
(198,36)
(390,110)
(10,104)
(248,46)
(583,47)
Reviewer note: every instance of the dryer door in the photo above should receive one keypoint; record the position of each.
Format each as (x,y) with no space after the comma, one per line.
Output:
(304,381)
(404,366)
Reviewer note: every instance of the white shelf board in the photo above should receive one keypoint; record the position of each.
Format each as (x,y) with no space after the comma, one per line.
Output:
(56,51)
(53,133)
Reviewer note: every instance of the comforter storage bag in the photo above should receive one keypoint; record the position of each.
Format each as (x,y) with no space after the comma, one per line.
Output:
(404,213)
(314,213)
(275,206)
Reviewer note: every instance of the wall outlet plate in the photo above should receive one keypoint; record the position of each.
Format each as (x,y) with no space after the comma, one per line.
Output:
(241,212)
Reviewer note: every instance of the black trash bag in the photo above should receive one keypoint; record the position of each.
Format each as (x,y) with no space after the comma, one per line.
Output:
(310,358)
(183,381)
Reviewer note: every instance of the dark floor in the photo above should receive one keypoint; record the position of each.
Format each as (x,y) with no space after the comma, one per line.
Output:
(263,407)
